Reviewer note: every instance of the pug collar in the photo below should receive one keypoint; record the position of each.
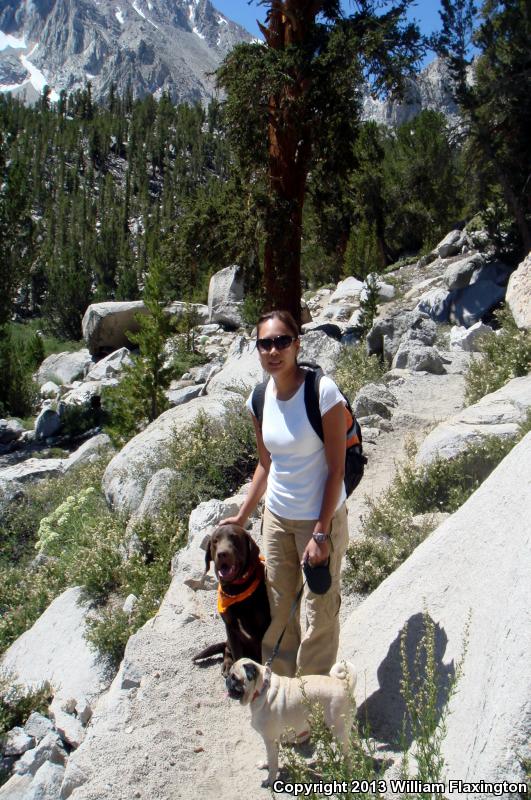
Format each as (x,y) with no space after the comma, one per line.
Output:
(266,684)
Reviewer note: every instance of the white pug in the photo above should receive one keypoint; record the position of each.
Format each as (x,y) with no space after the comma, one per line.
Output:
(277,704)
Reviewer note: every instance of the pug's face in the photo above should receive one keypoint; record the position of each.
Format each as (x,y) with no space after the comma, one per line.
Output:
(241,680)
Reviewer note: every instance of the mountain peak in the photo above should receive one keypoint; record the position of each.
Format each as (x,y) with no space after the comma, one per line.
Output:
(154,46)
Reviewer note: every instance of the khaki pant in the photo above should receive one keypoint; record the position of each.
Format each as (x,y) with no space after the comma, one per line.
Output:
(284,543)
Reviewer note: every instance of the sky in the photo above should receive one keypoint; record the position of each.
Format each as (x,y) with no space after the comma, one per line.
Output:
(425,12)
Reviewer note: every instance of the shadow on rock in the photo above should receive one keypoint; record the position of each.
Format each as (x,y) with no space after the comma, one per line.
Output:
(385,710)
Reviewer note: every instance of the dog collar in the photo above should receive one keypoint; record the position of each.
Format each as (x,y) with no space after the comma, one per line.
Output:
(250,572)
(226,600)
(266,684)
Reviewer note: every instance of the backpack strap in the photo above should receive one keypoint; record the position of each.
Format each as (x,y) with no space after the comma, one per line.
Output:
(311,398)
(258,400)
(311,401)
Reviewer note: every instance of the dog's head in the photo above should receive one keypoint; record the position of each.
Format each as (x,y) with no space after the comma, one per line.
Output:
(242,680)
(233,551)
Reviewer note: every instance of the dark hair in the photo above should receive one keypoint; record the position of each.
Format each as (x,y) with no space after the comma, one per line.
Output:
(283,316)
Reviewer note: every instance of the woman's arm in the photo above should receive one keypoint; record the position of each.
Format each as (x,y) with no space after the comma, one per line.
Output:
(334,445)
(258,483)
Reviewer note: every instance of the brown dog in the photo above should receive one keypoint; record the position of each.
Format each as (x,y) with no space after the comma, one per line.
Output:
(242,596)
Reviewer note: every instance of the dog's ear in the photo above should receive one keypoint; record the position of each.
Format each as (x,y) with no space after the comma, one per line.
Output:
(254,550)
(250,671)
(208,555)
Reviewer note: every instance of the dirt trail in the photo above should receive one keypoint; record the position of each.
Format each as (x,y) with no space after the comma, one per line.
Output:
(423,401)
(178,735)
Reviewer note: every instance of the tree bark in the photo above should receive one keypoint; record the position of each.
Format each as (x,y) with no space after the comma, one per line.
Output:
(289,147)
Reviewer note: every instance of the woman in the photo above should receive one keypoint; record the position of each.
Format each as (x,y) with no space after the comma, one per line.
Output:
(305,517)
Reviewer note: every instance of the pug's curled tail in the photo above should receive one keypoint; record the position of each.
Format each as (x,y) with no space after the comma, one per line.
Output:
(345,672)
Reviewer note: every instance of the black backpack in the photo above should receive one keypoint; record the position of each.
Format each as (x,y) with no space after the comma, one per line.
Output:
(354,459)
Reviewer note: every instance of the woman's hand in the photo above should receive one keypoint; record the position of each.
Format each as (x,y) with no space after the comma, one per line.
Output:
(315,553)
(237,520)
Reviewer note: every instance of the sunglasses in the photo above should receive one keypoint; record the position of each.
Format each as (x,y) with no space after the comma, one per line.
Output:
(278,342)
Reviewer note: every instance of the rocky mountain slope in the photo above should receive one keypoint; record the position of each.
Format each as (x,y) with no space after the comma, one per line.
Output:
(429,90)
(164,727)
(153,46)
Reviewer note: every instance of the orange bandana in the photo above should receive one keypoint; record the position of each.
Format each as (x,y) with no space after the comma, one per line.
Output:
(226,600)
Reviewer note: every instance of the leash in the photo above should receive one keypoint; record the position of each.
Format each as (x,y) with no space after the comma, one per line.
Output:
(276,648)
(267,666)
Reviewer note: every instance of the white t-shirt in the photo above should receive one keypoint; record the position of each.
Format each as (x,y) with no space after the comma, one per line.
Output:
(298,469)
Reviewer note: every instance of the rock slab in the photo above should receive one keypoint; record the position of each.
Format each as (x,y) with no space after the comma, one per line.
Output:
(128,473)
(105,324)
(519,294)
(54,650)
(481,554)
(64,367)
(497,414)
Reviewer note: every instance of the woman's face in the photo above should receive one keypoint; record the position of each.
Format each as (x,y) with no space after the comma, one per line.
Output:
(277,361)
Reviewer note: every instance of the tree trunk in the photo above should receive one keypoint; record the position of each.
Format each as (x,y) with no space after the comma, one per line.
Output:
(289,144)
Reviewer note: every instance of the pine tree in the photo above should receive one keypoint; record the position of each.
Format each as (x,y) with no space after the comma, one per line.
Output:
(497,105)
(369,303)
(293,102)
(140,398)
(17,390)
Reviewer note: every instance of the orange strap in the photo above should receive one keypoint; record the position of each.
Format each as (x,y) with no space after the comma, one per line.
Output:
(226,600)
(353,438)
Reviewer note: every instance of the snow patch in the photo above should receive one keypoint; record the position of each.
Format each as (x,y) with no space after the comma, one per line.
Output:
(6,40)
(150,5)
(37,79)
(198,32)
(222,21)
(119,15)
(139,11)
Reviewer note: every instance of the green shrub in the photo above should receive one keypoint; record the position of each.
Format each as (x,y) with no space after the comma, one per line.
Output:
(17,702)
(426,694)
(329,762)
(213,457)
(253,306)
(78,419)
(355,368)
(80,541)
(184,359)
(25,332)
(18,393)
(369,303)
(389,532)
(506,355)
(147,576)
(423,691)
(108,634)
(20,520)
(140,396)
(445,484)
(67,521)
(372,559)
(24,596)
